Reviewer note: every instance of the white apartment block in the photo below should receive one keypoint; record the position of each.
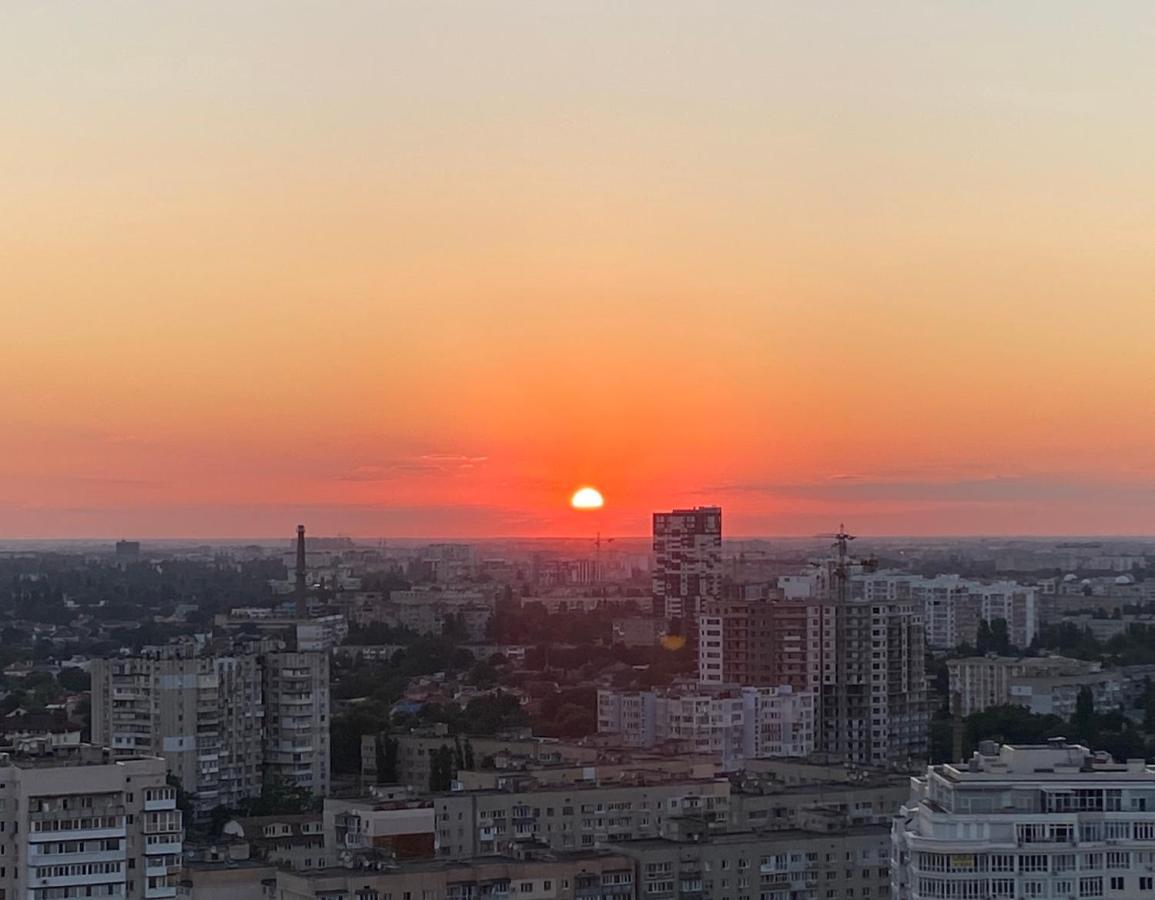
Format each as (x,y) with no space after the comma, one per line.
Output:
(1051,822)
(733,723)
(953,606)
(79,823)
(1046,685)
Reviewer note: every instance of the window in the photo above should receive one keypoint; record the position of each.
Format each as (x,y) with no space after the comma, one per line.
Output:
(1091,887)
(1117,882)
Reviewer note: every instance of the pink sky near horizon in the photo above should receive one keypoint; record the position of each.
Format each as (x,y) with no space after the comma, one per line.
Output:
(425,268)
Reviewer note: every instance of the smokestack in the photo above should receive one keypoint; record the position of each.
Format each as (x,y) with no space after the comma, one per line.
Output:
(300,590)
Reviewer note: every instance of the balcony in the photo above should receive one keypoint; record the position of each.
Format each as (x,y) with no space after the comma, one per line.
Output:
(173,846)
(65,881)
(77,834)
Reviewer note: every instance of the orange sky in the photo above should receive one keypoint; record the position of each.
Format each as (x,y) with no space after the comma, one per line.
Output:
(423,268)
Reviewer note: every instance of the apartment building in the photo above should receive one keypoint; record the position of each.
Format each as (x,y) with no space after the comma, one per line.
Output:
(953,606)
(202,714)
(222,722)
(687,570)
(732,723)
(690,862)
(78,822)
(540,876)
(431,611)
(1043,684)
(296,694)
(571,817)
(873,708)
(864,658)
(1049,821)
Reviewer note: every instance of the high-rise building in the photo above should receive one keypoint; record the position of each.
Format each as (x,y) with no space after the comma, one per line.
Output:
(687,570)
(1049,821)
(222,722)
(202,714)
(297,719)
(80,823)
(873,709)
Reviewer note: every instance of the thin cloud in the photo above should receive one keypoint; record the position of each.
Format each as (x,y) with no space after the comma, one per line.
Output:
(436,465)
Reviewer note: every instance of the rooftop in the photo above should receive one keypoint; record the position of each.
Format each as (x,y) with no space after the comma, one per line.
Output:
(1055,760)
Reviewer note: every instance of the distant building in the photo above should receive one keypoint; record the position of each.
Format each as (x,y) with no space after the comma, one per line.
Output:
(1027,821)
(687,570)
(1045,685)
(127,550)
(429,611)
(953,607)
(732,723)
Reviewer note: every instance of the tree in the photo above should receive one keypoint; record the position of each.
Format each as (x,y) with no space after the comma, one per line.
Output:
(993,637)
(1083,721)
(469,760)
(441,769)
(1148,705)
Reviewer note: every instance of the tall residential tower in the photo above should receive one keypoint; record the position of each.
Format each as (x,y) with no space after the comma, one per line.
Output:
(687,569)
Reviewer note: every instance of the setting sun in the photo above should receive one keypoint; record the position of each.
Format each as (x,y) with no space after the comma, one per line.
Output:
(587,498)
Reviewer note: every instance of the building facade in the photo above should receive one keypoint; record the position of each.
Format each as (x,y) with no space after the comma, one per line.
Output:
(80,823)
(571,817)
(1043,684)
(542,876)
(1051,821)
(953,607)
(840,863)
(757,642)
(733,723)
(222,723)
(296,716)
(203,714)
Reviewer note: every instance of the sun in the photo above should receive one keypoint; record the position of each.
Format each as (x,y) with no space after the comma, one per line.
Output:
(587,498)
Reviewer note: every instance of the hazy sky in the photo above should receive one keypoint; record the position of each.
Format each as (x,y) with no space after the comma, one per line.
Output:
(423,268)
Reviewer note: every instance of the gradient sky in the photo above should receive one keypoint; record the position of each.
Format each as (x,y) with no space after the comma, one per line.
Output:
(423,268)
